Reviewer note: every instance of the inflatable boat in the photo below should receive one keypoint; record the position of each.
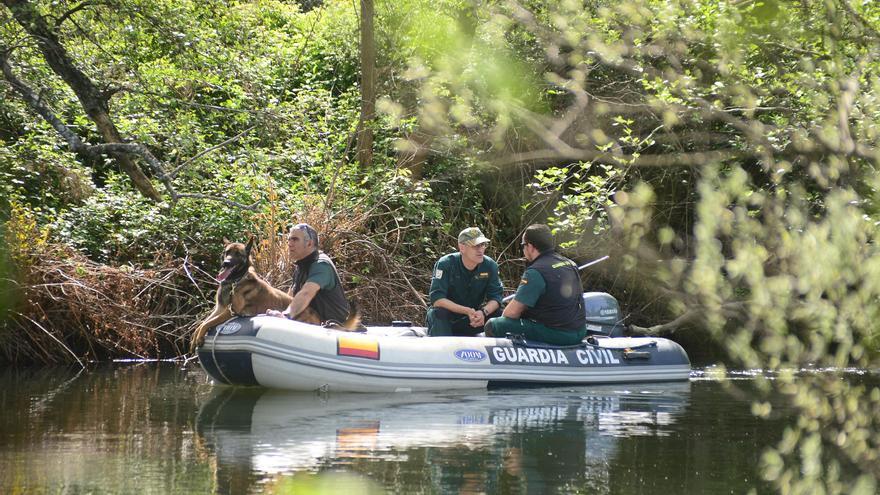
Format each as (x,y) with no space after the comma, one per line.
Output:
(278,353)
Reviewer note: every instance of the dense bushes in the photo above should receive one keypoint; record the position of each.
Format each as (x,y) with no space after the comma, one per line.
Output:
(252,107)
(725,153)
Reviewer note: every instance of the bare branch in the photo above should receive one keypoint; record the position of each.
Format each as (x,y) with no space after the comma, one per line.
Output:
(250,207)
(53,337)
(209,150)
(729,309)
(694,159)
(665,328)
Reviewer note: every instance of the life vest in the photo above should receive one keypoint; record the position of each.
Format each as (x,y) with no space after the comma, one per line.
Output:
(330,304)
(561,305)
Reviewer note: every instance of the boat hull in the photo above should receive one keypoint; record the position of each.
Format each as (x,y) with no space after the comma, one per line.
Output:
(283,354)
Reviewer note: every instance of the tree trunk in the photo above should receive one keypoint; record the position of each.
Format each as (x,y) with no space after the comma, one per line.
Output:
(93,100)
(368,86)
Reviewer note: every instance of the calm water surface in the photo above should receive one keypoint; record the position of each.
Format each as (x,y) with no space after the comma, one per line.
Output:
(162,428)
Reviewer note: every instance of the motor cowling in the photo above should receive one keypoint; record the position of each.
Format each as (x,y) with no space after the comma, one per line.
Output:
(602,314)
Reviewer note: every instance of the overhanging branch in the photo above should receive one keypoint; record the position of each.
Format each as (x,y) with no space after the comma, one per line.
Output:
(77,145)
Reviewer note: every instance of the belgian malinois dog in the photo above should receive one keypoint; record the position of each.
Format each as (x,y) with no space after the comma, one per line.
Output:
(244,293)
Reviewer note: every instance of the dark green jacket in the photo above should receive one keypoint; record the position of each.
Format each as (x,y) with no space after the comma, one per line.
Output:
(451,280)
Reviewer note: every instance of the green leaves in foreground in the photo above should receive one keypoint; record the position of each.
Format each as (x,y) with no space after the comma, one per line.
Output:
(745,139)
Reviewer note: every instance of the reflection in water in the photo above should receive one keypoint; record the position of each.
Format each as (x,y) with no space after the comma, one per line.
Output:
(529,440)
(111,429)
(162,428)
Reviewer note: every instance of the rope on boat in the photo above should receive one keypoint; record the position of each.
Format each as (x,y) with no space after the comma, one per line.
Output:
(214,356)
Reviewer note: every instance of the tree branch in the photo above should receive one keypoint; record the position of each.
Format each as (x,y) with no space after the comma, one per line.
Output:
(74,10)
(212,148)
(665,328)
(730,309)
(692,159)
(77,145)
(35,102)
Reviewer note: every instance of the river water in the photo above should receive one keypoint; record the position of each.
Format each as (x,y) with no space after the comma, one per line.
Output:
(163,428)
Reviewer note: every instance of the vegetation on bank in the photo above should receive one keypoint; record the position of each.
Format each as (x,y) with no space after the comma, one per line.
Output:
(724,154)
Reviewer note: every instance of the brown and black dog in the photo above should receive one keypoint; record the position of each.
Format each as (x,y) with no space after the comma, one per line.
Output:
(244,293)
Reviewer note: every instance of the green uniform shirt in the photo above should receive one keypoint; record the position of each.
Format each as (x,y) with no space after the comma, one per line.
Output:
(322,274)
(471,288)
(531,287)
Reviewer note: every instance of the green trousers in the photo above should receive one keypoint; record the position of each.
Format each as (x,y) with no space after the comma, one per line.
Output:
(533,330)
(443,323)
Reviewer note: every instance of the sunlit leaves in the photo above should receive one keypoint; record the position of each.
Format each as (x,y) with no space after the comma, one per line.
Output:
(781,263)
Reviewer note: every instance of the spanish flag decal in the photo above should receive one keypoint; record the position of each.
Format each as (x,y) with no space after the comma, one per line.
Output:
(357,347)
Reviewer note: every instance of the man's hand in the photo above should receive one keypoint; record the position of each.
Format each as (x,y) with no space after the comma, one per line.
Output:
(477,318)
(276,313)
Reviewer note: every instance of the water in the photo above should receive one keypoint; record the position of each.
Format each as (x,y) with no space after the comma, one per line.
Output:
(161,428)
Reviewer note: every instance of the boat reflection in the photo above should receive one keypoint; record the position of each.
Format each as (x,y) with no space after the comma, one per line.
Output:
(462,442)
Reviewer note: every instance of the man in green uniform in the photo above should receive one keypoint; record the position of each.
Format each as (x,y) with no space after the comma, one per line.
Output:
(548,305)
(316,282)
(465,288)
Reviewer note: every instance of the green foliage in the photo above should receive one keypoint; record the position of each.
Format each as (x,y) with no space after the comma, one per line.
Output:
(33,172)
(116,226)
(735,142)
(7,284)
(772,250)
(579,198)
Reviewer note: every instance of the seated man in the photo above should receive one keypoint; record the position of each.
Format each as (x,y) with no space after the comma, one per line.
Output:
(465,288)
(548,305)
(316,282)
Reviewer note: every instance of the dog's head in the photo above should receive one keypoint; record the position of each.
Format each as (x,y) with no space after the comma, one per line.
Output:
(236,260)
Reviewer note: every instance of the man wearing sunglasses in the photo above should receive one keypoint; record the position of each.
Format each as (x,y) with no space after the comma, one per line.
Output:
(465,288)
(548,305)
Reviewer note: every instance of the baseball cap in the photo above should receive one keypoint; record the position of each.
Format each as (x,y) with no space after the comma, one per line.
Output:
(472,236)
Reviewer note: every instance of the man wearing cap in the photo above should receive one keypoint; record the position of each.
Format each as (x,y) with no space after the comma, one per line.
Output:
(316,282)
(465,288)
(548,305)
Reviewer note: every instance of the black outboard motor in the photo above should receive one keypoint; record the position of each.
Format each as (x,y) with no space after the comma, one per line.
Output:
(603,314)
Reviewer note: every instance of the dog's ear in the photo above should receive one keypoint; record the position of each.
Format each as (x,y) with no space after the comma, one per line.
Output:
(226,241)
(248,247)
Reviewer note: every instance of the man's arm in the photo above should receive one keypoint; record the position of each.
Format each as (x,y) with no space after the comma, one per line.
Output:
(514,309)
(530,289)
(494,293)
(301,300)
(454,307)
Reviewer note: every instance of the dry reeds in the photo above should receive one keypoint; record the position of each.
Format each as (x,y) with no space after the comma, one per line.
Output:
(67,308)
(385,282)
(72,309)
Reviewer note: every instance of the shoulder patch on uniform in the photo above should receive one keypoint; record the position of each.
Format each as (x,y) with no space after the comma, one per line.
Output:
(560,264)
(523,281)
(438,273)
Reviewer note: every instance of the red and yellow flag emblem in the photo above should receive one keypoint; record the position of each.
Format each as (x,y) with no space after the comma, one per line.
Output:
(357,347)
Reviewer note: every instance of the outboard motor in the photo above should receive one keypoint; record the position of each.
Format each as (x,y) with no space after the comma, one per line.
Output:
(603,314)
